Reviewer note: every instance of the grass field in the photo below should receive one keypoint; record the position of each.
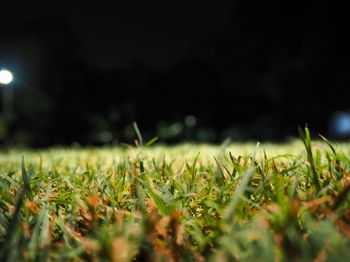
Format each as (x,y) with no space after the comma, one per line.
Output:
(240,202)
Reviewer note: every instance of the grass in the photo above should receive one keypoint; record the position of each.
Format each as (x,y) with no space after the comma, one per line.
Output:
(242,202)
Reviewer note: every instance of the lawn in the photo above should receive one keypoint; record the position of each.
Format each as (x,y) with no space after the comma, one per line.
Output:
(237,202)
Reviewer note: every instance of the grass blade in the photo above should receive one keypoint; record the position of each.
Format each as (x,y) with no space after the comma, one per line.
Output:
(230,210)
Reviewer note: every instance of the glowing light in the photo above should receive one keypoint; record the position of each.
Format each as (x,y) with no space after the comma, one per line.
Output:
(190,121)
(6,77)
(341,123)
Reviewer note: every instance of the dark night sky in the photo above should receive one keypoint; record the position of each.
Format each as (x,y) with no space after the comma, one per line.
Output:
(245,69)
(156,33)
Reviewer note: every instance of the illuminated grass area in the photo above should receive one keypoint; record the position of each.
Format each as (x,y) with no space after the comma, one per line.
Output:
(243,202)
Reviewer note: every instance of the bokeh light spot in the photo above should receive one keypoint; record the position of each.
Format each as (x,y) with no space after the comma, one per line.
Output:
(6,77)
(190,121)
(340,124)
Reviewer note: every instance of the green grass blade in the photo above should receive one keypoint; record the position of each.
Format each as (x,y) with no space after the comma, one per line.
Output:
(231,208)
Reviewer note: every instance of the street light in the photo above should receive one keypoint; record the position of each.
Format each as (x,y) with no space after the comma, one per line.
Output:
(6,78)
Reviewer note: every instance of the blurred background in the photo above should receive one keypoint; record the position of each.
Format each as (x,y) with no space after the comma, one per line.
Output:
(198,71)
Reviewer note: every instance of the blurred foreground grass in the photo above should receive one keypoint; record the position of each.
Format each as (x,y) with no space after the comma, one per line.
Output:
(242,202)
